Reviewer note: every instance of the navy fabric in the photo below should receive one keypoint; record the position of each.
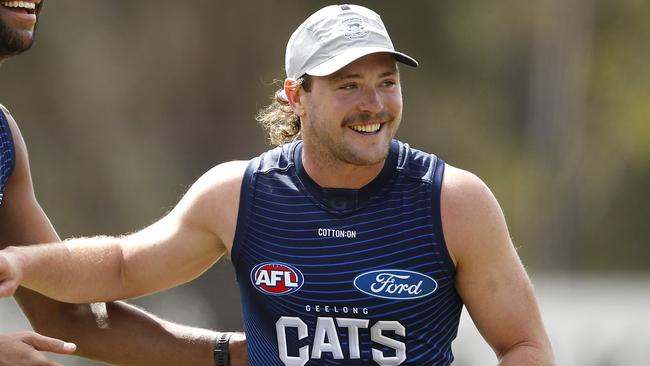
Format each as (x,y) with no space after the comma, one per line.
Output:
(7,154)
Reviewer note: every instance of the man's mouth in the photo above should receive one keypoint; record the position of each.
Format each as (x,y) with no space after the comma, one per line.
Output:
(20,6)
(370,128)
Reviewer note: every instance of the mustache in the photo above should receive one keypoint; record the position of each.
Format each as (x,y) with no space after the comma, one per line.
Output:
(365,117)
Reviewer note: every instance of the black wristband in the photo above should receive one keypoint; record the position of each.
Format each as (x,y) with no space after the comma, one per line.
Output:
(221,356)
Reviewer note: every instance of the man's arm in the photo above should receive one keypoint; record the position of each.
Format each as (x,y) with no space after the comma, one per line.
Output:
(490,277)
(121,334)
(174,250)
(23,348)
(116,333)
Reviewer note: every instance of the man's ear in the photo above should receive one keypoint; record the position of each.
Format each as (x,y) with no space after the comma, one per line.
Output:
(293,93)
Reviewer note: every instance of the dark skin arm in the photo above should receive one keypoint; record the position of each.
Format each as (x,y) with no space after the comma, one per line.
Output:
(100,330)
(22,348)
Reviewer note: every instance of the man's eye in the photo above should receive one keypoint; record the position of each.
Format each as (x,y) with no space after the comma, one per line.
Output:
(349,87)
(389,82)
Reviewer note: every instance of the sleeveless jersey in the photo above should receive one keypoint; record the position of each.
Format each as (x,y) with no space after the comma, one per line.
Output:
(345,276)
(7,154)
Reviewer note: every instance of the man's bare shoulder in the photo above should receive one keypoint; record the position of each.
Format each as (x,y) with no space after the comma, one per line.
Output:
(4,110)
(225,176)
(216,189)
(464,190)
(470,212)
(228,171)
(15,131)
(217,198)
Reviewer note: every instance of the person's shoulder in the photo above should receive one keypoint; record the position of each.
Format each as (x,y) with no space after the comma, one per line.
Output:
(15,131)
(15,135)
(218,184)
(464,191)
(232,167)
(461,182)
(10,119)
(228,173)
(278,157)
(469,209)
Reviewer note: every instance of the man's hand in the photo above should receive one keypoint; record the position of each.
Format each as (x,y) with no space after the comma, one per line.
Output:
(237,349)
(22,349)
(10,274)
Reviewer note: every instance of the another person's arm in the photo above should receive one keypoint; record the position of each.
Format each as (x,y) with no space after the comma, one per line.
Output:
(490,277)
(116,333)
(24,348)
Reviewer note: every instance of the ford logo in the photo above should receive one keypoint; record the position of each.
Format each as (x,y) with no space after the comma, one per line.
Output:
(395,284)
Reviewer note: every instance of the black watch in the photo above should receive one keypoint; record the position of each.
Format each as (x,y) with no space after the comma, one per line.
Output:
(221,356)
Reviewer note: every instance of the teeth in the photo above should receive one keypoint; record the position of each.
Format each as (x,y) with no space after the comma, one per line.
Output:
(367,128)
(19,4)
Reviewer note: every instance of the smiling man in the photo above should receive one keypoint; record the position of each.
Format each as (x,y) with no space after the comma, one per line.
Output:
(17,26)
(350,247)
(116,332)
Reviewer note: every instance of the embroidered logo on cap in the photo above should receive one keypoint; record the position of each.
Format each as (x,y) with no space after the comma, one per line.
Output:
(354,28)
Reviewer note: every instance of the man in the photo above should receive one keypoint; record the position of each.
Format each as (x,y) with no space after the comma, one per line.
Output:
(336,237)
(117,333)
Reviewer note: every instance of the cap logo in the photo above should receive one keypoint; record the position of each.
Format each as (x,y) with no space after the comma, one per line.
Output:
(354,28)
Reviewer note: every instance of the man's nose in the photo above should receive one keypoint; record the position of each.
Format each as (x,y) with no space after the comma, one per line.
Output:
(371,101)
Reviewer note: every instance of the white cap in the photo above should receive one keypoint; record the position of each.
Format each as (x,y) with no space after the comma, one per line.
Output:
(335,36)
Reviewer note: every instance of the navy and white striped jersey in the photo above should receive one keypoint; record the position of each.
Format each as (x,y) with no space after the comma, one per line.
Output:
(7,154)
(343,276)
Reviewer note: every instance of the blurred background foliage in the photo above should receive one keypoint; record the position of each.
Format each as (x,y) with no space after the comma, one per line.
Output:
(125,103)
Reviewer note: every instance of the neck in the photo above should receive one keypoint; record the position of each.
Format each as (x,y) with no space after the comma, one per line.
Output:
(330,174)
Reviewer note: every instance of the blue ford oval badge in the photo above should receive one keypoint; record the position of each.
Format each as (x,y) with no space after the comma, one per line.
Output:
(396,284)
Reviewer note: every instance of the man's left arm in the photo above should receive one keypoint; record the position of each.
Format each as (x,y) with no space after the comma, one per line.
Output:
(489,275)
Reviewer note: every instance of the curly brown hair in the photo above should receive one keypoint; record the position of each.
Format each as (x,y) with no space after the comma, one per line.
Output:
(278,118)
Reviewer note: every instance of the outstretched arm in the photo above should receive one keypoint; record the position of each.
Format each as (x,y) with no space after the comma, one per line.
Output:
(174,250)
(99,330)
(490,277)
(177,248)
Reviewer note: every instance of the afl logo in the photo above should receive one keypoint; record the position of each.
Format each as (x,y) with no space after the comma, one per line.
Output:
(273,278)
(395,284)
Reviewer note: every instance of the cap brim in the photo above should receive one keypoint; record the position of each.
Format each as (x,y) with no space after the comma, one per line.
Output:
(337,62)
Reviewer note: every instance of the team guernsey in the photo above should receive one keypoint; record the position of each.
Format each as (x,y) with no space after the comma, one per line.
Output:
(7,154)
(342,276)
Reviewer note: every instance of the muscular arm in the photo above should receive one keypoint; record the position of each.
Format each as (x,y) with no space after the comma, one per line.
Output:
(490,277)
(172,251)
(102,329)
